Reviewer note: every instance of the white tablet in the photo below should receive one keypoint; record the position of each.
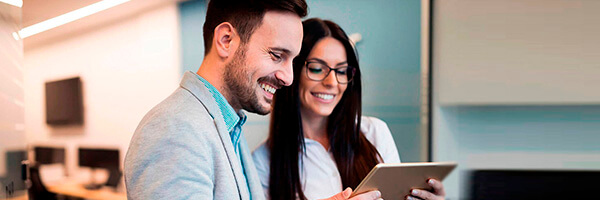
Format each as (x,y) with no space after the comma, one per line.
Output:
(395,180)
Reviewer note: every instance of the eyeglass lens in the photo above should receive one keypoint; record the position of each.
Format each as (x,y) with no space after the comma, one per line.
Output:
(318,72)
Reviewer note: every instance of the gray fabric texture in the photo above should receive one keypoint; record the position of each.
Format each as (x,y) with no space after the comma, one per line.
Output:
(181,150)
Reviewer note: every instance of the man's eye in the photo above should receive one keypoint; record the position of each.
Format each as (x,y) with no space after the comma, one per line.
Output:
(315,70)
(275,57)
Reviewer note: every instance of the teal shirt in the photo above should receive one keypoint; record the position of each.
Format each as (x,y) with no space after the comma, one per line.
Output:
(234,121)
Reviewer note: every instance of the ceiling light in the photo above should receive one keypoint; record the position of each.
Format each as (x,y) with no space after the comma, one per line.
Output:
(16,36)
(68,17)
(17,3)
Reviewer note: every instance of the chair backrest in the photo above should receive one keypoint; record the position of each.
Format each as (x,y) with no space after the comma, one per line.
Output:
(114,177)
(37,190)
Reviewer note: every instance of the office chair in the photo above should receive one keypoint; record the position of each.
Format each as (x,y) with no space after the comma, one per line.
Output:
(37,190)
(114,177)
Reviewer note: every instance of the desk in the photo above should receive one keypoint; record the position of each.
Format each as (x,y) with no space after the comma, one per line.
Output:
(18,195)
(75,189)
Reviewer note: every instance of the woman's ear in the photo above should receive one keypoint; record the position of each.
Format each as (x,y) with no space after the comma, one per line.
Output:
(224,40)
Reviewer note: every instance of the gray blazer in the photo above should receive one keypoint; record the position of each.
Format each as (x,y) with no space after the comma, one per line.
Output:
(182,150)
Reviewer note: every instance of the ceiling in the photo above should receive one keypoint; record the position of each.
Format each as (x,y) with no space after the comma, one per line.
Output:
(35,11)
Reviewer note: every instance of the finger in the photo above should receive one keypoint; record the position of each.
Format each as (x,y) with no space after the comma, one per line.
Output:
(423,194)
(346,193)
(342,195)
(438,187)
(412,198)
(371,195)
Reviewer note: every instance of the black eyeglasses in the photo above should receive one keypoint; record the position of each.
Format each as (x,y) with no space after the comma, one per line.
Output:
(318,71)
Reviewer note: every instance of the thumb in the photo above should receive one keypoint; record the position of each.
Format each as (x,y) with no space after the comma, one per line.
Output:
(342,195)
(346,193)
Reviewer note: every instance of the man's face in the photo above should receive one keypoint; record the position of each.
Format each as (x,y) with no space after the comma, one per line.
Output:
(264,63)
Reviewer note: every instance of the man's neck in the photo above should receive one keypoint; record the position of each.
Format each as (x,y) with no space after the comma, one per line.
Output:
(213,73)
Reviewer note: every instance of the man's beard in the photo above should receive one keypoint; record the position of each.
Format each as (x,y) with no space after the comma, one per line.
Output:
(241,88)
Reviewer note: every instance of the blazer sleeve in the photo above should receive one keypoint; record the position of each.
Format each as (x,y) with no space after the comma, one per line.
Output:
(169,159)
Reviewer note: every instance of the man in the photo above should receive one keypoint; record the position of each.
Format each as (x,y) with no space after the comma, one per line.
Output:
(190,145)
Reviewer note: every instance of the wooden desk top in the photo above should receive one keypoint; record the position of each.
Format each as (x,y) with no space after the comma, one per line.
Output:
(77,190)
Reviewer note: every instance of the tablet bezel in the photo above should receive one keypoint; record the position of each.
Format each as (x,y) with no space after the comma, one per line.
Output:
(395,180)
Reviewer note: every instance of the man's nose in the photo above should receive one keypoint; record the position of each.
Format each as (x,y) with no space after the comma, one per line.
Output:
(286,75)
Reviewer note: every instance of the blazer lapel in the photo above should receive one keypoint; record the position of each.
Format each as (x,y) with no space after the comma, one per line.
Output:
(256,189)
(191,83)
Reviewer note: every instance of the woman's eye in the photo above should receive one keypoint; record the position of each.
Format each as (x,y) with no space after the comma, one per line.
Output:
(315,70)
(342,71)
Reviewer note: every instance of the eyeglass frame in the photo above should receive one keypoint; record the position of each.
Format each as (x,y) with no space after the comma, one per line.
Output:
(330,69)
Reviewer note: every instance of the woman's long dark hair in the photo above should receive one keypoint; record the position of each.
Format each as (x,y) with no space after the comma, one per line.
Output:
(354,155)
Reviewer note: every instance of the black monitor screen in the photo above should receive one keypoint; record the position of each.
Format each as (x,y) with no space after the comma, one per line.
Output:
(99,158)
(532,184)
(49,155)
(64,102)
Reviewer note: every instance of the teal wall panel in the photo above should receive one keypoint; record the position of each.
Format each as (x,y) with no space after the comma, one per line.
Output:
(558,129)
(191,16)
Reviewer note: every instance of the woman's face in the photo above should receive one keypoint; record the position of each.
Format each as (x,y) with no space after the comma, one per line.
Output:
(319,98)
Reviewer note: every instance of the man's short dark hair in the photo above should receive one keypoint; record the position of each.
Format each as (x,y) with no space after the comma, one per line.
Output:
(245,15)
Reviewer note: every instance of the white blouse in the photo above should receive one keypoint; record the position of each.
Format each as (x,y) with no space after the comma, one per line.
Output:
(319,175)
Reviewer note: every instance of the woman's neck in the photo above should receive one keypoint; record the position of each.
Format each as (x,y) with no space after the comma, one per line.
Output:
(315,128)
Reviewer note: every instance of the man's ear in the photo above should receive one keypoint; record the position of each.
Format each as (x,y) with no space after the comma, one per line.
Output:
(224,40)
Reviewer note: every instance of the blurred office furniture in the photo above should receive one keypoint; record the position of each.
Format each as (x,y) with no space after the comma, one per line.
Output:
(101,158)
(45,155)
(533,184)
(77,190)
(64,104)
(11,180)
(49,155)
(36,188)
(72,189)
(114,177)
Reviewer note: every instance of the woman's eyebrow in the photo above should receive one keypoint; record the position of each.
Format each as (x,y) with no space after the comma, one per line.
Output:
(325,63)
(317,60)
(342,63)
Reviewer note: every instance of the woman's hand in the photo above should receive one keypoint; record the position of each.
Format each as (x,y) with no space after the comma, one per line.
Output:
(344,195)
(437,194)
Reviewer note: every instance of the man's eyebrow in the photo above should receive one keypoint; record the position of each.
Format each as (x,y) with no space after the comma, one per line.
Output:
(283,50)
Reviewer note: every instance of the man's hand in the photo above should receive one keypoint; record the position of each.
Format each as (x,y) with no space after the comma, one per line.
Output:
(344,195)
(437,194)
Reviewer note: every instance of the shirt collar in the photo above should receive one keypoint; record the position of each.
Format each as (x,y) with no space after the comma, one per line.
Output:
(229,115)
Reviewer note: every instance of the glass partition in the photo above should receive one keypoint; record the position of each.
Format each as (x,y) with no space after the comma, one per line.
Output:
(12,128)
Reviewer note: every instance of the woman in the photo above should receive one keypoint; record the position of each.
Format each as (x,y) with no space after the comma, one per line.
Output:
(319,143)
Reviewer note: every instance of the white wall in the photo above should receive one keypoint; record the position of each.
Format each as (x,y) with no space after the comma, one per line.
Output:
(126,68)
(515,52)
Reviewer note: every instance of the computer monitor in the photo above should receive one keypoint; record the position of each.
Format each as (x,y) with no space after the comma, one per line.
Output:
(49,155)
(98,158)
